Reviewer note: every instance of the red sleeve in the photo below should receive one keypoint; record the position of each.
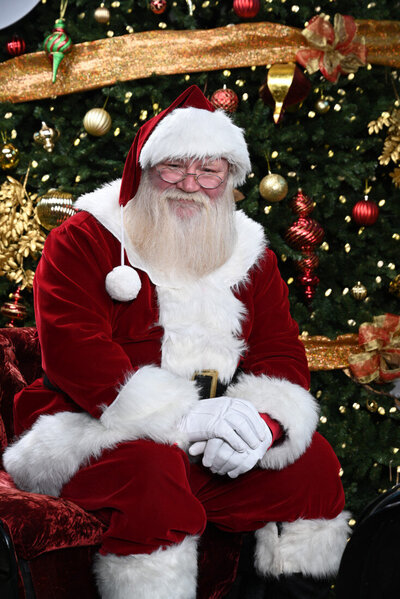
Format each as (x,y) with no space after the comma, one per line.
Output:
(273,341)
(74,313)
(274,426)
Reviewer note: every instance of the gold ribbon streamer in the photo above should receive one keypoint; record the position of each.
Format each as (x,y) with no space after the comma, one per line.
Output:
(329,354)
(91,65)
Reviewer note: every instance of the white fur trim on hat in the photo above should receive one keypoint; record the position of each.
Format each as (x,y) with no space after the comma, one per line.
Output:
(123,283)
(197,133)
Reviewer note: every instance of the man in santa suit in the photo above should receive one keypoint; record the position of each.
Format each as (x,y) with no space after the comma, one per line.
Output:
(176,388)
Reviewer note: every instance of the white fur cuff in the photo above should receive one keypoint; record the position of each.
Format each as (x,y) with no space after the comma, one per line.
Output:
(163,574)
(312,547)
(292,406)
(150,404)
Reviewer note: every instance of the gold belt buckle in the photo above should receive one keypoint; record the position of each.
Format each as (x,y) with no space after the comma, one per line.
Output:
(214,376)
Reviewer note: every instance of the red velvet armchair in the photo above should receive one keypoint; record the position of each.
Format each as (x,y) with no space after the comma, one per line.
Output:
(47,543)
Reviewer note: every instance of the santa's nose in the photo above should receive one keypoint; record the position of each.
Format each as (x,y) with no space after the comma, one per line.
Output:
(188,184)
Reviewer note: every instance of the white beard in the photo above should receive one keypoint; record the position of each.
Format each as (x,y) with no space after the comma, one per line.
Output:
(187,243)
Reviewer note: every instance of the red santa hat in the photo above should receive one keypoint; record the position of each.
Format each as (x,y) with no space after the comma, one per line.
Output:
(189,128)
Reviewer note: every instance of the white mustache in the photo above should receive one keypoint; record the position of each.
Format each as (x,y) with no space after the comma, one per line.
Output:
(197,197)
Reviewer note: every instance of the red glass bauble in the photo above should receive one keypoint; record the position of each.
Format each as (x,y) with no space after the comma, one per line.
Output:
(158,6)
(309,263)
(365,213)
(16,46)
(225,99)
(246,8)
(304,234)
(301,204)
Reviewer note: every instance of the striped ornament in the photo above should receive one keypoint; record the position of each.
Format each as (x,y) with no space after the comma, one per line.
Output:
(57,44)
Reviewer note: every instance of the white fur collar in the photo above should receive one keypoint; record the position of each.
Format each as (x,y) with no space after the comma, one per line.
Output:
(103,205)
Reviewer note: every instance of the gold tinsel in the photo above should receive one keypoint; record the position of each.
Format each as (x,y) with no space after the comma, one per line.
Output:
(391,145)
(20,234)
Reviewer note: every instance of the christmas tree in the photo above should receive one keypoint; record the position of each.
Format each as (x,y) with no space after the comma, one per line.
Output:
(338,142)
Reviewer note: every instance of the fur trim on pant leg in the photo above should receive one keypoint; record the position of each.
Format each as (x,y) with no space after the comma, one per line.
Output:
(163,574)
(312,547)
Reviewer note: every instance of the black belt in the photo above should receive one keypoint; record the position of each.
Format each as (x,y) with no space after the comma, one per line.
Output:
(209,385)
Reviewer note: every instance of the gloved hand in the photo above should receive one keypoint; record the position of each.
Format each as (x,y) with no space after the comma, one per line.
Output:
(222,459)
(235,421)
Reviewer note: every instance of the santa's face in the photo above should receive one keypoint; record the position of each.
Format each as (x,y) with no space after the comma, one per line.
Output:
(195,176)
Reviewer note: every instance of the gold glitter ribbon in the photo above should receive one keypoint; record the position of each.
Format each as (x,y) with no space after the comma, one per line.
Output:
(329,354)
(379,342)
(91,65)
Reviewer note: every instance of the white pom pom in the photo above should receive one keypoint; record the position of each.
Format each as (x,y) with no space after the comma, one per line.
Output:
(123,283)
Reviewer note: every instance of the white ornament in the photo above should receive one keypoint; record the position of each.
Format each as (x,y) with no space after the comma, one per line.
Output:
(123,283)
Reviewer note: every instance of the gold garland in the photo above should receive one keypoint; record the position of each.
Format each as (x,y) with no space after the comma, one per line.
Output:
(100,63)
(20,233)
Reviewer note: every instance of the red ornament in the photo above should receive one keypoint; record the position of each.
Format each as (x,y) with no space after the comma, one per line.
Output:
(246,9)
(14,310)
(16,46)
(305,234)
(226,99)
(365,212)
(158,6)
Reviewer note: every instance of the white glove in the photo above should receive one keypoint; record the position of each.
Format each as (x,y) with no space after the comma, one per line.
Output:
(233,420)
(222,459)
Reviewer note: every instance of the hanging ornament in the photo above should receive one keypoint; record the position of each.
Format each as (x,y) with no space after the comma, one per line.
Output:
(102,14)
(15,309)
(247,9)
(158,6)
(97,122)
(394,286)
(16,46)
(359,291)
(322,105)
(226,99)
(46,137)
(9,154)
(54,207)
(273,187)
(305,234)
(365,212)
(58,43)
(285,86)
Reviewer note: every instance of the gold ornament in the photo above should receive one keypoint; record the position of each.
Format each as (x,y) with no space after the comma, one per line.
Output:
(20,234)
(279,80)
(391,145)
(394,286)
(102,14)
(322,105)
(9,156)
(54,207)
(46,137)
(273,187)
(97,122)
(359,291)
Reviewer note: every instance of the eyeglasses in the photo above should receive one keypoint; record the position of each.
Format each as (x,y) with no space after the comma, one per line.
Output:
(170,174)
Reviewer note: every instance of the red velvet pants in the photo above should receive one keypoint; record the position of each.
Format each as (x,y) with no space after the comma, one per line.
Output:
(150,495)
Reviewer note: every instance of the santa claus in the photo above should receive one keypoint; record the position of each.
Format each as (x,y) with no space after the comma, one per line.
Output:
(176,388)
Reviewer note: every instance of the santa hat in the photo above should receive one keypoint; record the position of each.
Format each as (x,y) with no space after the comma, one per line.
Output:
(189,128)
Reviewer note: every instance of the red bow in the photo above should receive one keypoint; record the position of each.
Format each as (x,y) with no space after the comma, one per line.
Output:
(333,50)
